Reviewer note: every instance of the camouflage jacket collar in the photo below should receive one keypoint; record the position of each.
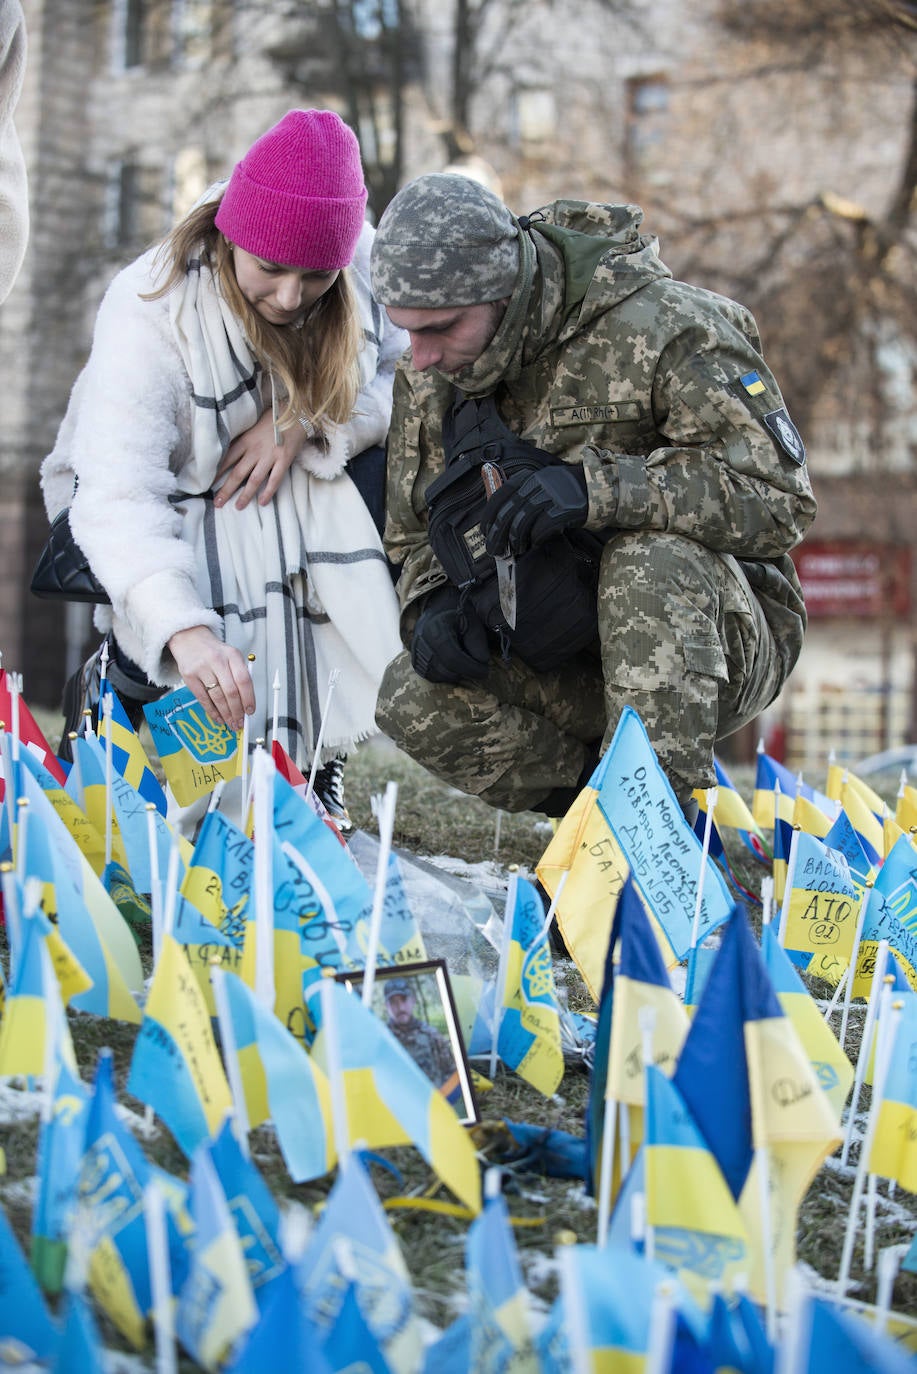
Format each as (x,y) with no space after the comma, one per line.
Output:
(578,260)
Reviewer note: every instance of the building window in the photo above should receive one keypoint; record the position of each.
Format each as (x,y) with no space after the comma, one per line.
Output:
(647,122)
(133,212)
(533,116)
(130,23)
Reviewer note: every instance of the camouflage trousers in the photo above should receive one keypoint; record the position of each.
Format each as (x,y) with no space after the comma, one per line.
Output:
(681,638)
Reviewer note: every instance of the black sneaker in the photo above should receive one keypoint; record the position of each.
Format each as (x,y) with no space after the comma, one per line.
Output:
(81,694)
(329,788)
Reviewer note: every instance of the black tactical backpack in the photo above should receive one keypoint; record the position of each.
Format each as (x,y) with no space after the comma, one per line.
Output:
(556,610)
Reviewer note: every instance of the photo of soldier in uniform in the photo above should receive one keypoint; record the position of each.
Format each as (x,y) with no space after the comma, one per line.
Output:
(415,1002)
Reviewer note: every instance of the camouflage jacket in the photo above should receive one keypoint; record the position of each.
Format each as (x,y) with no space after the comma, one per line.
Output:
(429,1050)
(657,387)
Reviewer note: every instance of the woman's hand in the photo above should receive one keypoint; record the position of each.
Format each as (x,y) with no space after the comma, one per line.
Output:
(254,464)
(217,674)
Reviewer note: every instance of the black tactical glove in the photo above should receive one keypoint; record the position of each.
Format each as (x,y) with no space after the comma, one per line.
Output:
(527,510)
(449,644)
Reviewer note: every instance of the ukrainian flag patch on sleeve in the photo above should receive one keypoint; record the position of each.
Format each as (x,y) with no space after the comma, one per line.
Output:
(752,383)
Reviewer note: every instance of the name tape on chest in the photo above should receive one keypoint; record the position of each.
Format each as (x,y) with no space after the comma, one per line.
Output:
(611,411)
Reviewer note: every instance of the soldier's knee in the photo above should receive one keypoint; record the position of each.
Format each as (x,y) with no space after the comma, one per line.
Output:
(390,699)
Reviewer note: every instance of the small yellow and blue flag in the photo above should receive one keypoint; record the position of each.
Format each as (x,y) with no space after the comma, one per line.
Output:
(698,1230)
(128,754)
(255,1213)
(216,1305)
(280,1080)
(195,753)
(893,1154)
(891,914)
(498,1300)
(390,1101)
(528,1040)
(354,1227)
(30,1334)
(833,1069)
(664,854)
(819,925)
(175,1067)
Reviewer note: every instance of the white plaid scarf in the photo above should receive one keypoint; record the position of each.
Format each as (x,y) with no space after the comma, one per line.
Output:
(301,583)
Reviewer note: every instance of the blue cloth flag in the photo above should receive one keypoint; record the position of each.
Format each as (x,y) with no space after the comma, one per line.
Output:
(660,846)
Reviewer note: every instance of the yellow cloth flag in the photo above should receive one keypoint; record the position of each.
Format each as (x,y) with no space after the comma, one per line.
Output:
(906,808)
(796,1124)
(585,848)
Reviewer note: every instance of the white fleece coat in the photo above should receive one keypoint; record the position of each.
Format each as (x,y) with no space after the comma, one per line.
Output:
(127,438)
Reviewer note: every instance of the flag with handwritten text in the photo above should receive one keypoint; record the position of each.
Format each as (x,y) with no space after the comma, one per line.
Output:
(660,846)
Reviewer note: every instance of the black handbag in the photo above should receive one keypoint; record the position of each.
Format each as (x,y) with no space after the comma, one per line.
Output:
(62,572)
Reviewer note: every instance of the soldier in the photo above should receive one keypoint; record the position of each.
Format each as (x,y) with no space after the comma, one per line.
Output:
(427,1047)
(647,485)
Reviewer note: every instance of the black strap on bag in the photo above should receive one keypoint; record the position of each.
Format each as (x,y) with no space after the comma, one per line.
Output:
(556,608)
(62,572)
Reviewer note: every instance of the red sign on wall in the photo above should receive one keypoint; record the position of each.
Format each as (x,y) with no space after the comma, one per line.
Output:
(857,579)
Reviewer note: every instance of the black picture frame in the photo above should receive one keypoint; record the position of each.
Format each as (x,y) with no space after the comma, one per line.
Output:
(436,1012)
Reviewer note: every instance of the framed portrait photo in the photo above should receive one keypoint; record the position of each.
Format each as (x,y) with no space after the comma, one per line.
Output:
(415,1002)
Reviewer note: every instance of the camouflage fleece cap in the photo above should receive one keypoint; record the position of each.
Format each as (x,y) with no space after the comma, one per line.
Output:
(444,240)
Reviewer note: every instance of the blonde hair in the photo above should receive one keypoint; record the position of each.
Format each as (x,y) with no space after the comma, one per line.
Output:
(316,363)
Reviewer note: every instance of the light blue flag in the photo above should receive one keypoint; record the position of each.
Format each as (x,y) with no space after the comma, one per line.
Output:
(218,879)
(842,837)
(90,923)
(821,909)
(834,1339)
(195,753)
(284,1326)
(27,1331)
(353,1233)
(128,755)
(761,1355)
(130,808)
(450,1353)
(325,895)
(607,1293)
(663,852)
(254,1212)
(501,1334)
(216,1306)
(297,1093)
(110,1214)
(390,1100)
(696,1223)
(175,1067)
(528,1040)
(892,910)
(350,1344)
(61,1141)
(910,1259)
(81,1349)
(552,1345)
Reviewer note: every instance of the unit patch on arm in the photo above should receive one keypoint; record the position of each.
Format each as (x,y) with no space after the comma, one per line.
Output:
(786,434)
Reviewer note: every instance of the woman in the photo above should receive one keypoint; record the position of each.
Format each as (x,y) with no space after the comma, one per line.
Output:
(234,372)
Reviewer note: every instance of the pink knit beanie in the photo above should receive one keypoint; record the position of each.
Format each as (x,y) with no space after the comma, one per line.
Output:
(297,197)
